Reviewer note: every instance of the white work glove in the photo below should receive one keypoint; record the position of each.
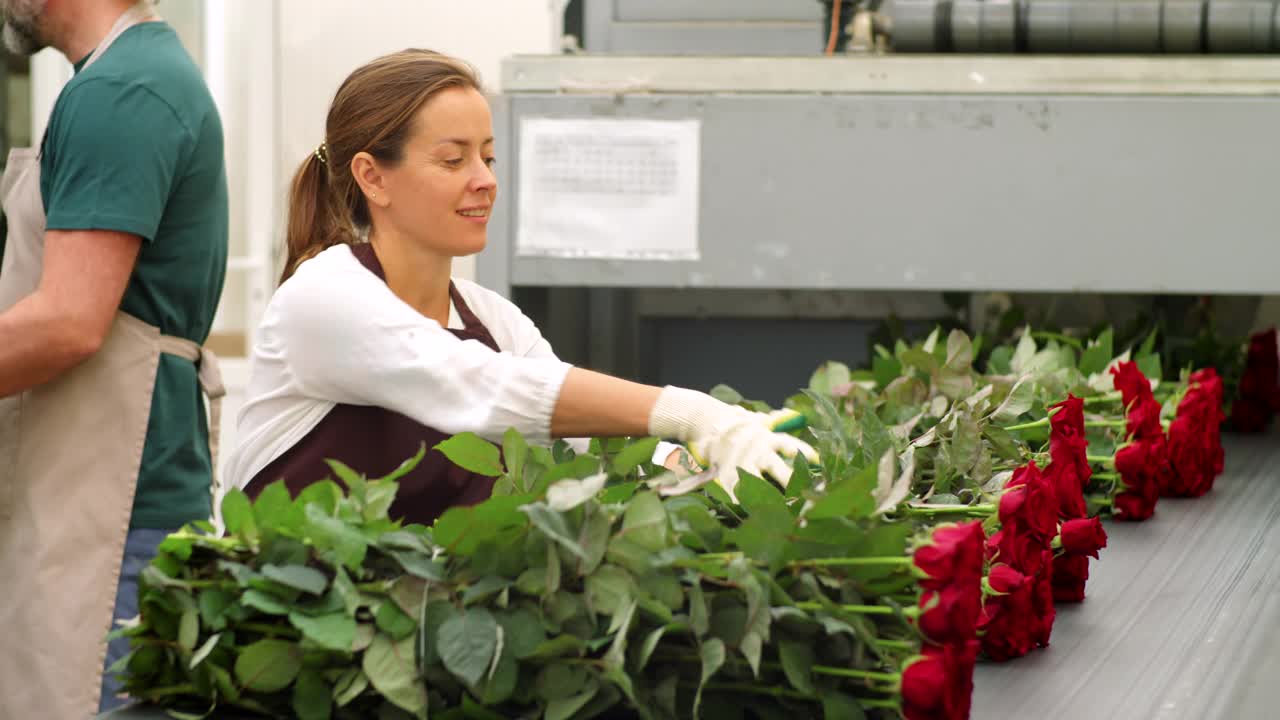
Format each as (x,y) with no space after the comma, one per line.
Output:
(727,437)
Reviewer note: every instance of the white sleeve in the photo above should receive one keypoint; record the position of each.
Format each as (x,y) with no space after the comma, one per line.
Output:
(533,345)
(350,340)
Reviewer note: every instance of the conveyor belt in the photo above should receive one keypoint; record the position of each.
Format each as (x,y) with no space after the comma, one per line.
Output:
(1182,618)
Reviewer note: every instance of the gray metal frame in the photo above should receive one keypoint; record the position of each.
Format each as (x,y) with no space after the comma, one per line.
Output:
(682,27)
(938,173)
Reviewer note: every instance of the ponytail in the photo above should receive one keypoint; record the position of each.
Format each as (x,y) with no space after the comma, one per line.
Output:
(372,112)
(318,219)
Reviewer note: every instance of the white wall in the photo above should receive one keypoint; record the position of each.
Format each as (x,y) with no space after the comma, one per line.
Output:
(322,41)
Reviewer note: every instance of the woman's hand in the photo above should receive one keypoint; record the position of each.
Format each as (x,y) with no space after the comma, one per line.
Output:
(727,437)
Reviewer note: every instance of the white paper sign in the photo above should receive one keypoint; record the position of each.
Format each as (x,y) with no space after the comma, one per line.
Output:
(608,188)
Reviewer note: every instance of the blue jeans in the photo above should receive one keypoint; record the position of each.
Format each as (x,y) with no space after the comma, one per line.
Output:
(139,548)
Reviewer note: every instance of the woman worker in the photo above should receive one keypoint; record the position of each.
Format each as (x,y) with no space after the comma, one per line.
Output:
(370,347)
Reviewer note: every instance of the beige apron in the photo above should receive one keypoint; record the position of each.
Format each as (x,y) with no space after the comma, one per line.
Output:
(69,457)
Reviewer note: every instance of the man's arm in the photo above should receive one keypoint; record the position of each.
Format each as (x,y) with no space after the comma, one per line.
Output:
(66,319)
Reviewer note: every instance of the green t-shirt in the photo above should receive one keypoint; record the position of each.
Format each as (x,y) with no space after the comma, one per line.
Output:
(135,145)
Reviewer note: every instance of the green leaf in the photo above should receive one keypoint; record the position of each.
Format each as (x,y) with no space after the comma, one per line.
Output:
(237,515)
(998,362)
(563,708)
(405,467)
(621,625)
(335,631)
(1098,354)
(965,443)
(755,493)
(298,577)
(472,453)
(891,491)
(712,654)
(699,610)
(801,477)
(568,494)
(515,452)
(263,602)
(349,685)
(634,455)
(272,509)
(1150,365)
(558,646)
(333,535)
(829,377)
(437,613)
(312,696)
(608,589)
(484,588)
(522,632)
(876,438)
(420,565)
(204,651)
(797,657)
(764,534)
(645,522)
(959,351)
(553,525)
(920,360)
(726,394)
(501,682)
(467,643)
(838,706)
(268,665)
(848,497)
(379,496)
(1020,398)
(189,628)
(619,493)
(391,620)
(1149,344)
(885,370)
(1023,354)
(390,667)
(594,541)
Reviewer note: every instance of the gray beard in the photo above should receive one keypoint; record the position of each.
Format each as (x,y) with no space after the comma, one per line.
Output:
(21,40)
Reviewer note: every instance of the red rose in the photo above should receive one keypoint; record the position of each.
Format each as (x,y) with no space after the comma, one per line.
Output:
(1042,603)
(1192,457)
(1131,382)
(1009,618)
(1070,573)
(1142,420)
(925,686)
(1069,465)
(950,616)
(1258,395)
(1140,464)
(953,556)
(1029,501)
(1016,549)
(1069,479)
(938,684)
(1083,536)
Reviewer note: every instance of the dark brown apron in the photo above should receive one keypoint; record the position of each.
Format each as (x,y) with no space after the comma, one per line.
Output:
(374,441)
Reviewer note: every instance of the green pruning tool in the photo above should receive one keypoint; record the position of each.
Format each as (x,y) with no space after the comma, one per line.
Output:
(790,423)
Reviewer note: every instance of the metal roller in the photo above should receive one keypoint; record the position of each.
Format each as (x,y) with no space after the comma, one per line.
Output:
(1086,26)
(1180,27)
(1241,26)
(915,25)
(984,26)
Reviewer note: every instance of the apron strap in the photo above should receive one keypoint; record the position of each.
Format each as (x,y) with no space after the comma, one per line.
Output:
(210,375)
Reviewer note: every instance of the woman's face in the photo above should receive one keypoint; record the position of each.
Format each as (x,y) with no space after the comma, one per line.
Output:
(441,193)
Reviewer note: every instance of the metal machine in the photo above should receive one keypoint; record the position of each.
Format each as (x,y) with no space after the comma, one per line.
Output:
(836,191)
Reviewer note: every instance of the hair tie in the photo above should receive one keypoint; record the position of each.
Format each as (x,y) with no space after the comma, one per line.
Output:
(322,153)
